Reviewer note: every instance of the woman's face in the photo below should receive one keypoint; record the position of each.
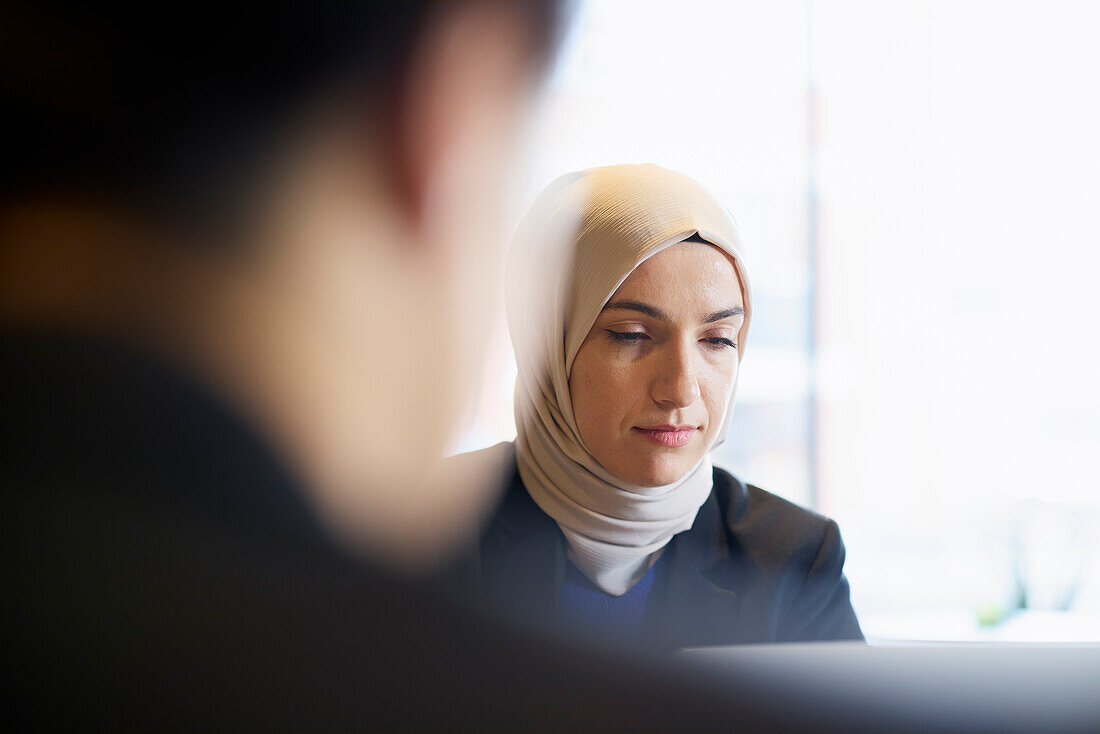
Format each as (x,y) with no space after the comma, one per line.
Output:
(651,380)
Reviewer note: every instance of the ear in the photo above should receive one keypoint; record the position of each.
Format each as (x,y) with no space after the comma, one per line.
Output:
(469,67)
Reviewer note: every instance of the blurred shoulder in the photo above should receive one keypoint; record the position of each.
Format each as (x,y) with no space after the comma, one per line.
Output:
(496,463)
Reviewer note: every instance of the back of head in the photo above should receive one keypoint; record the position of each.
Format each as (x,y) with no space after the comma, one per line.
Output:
(284,200)
(181,108)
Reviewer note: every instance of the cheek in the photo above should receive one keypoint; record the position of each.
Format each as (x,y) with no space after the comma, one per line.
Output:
(589,397)
(583,392)
(716,389)
(597,390)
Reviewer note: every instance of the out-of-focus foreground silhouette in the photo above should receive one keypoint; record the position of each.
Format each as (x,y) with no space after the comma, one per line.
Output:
(246,258)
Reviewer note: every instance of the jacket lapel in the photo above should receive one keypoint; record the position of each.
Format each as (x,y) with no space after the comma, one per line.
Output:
(523,560)
(522,564)
(692,608)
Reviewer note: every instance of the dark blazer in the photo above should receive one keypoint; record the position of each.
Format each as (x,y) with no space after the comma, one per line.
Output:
(752,568)
(162,570)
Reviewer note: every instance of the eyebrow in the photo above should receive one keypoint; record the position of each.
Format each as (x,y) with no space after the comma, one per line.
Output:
(724,314)
(657,313)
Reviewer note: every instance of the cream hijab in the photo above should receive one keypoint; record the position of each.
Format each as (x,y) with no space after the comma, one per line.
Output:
(592,228)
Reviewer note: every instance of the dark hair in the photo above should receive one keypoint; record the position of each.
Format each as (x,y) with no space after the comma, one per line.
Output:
(174,105)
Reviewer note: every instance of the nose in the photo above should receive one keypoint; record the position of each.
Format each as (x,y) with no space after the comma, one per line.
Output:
(676,382)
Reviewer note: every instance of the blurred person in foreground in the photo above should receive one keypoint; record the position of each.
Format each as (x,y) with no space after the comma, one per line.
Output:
(245,261)
(616,523)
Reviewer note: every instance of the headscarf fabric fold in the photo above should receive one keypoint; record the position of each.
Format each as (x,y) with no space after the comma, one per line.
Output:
(582,238)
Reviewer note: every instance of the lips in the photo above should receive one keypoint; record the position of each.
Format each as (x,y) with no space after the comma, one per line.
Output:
(668,435)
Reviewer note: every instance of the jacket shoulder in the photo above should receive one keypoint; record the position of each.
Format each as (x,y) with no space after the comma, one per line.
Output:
(757,519)
(742,502)
(792,560)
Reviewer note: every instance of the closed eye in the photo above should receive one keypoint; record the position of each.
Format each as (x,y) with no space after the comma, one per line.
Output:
(720,342)
(626,337)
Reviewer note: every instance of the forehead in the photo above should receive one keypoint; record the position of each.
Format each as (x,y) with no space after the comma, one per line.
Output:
(685,272)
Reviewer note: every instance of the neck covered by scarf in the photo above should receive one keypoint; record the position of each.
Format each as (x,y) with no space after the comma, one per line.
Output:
(592,229)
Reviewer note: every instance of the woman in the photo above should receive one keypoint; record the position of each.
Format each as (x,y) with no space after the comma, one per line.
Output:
(615,521)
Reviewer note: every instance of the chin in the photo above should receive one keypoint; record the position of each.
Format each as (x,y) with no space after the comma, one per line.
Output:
(660,473)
